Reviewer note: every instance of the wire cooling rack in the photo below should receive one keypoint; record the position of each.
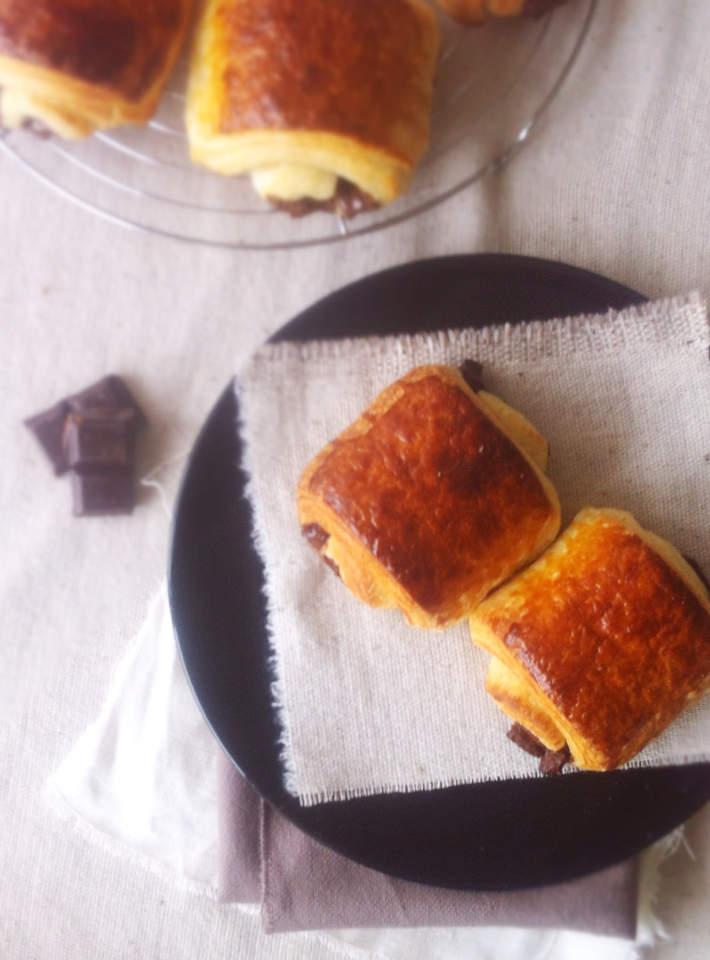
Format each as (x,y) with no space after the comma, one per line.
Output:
(493,86)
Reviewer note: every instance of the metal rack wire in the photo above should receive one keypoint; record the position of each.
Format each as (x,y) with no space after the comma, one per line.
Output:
(493,87)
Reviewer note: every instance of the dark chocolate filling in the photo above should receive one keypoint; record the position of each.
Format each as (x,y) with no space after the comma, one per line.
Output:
(527,741)
(347,202)
(472,372)
(315,535)
(37,127)
(332,564)
(552,762)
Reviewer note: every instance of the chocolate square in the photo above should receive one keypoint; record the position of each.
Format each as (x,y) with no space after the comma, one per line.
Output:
(48,429)
(92,433)
(100,440)
(102,494)
(111,393)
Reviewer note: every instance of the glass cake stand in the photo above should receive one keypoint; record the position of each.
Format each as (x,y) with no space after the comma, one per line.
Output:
(493,86)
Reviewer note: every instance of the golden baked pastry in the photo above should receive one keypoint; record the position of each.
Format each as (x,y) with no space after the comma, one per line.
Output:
(478,11)
(75,66)
(601,643)
(432,498)
(326,103)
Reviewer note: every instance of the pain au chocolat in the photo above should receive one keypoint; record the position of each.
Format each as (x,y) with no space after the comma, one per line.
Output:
(71,67)
(326,103)
(479,11)
(432,498)
(601,643)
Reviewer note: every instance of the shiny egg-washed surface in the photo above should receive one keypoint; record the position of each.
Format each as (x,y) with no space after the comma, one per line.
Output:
(357,67)
(436,492)
(610,633)
(118,44)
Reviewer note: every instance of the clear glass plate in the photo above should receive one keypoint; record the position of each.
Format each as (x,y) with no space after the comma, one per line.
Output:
(492,87)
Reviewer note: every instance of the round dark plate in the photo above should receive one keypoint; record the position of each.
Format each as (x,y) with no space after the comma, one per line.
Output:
(499,835)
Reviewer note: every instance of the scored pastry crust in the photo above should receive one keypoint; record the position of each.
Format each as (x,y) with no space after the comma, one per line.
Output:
(304,92)
(601,643)
(77,66)
(478,11)
(433,497)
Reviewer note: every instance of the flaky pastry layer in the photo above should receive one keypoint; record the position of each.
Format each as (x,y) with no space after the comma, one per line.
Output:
(429,500)
(75,66)
(601,643)
(307,92)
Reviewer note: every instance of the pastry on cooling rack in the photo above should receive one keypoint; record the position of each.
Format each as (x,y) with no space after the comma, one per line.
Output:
(70,67)
(432,498)
(478,11)
(601,643)
(326,103)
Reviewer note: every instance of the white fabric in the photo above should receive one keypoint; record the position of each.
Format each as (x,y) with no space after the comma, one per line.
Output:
(143,778)
(623,400)
(145,770)
(615,179)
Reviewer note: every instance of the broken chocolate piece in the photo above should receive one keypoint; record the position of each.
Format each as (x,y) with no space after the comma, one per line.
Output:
(102,494)
(100,440)
(553,762)
(109,392)
(48,429)
(92,433)
(315,535)
(472,372)
(527,741)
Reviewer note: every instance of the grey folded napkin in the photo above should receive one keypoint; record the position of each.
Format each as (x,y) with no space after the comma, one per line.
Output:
(302,885)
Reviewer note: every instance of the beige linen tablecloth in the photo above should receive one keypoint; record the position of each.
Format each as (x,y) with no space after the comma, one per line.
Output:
(617,180)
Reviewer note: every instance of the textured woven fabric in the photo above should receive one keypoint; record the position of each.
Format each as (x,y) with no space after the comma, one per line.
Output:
(303,885)
(620,398)
(615,179)
(147,780)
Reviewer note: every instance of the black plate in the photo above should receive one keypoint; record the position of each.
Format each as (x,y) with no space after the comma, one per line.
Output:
(489,836)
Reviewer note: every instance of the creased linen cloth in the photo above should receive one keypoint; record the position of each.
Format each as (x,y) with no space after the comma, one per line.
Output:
(302,885)
(624,399)
(147,777)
